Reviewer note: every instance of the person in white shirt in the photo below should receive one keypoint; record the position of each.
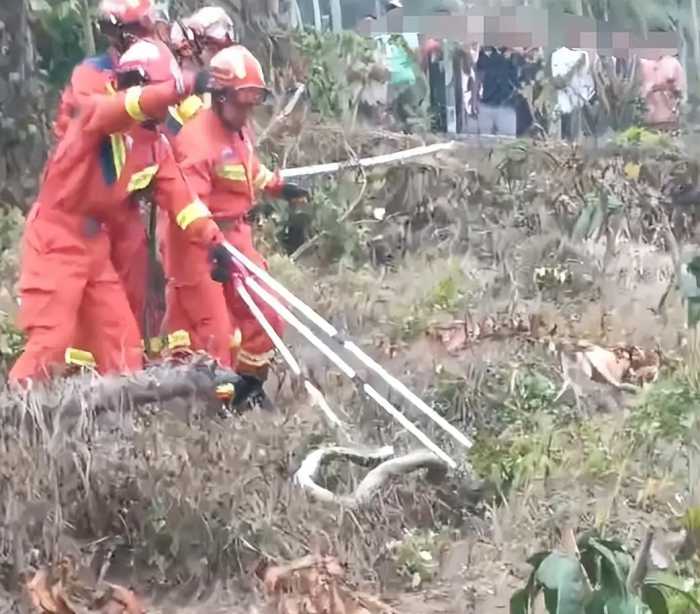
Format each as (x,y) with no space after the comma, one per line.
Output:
(571,70)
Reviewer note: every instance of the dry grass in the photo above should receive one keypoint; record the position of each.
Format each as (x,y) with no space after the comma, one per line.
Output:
(185,505)
(148,499)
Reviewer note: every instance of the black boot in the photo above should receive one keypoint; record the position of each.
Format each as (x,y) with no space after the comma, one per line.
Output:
(251,395)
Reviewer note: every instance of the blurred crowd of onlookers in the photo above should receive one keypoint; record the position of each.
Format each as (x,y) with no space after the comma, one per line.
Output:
(499,90)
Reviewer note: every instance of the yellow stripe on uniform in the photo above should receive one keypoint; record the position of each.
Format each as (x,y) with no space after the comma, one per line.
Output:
(179,339)
(132,105)
(189,107)
(233,172)
(118,152)
(155,345)
(142,179)
(194,211)
(265,175)
(82,358)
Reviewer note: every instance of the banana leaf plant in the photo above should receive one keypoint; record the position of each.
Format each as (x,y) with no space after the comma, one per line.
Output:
(599,576)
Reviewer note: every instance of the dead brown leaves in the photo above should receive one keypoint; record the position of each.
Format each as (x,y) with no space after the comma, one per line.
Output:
(462,334)
(316,584)
(621,364)
(616,365)
(57,591)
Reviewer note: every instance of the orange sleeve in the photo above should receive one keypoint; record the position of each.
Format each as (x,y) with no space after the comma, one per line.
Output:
(85,80)
(64,112)
(179,198)
(111,113)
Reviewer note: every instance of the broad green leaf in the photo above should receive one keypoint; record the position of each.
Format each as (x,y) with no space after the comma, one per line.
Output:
(612,578)
(564,574)
(655,599)
(625,605)
(583,223)
(690,288)
(597,603)
(520,602)
(666,582)
(596,222)
(693,315)
(551,601)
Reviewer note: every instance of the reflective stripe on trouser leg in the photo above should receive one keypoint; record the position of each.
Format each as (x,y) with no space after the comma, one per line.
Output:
(201,310)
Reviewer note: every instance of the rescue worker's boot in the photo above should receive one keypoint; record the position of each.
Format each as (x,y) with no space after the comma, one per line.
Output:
(241,392)
(251,395)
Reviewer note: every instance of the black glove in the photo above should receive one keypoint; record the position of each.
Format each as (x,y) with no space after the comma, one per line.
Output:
(222,264)
(203,82)
(292,192)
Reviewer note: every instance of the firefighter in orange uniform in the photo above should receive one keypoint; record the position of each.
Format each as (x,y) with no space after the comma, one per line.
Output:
(216,155)
(68,284)
(195,41)
(122,23)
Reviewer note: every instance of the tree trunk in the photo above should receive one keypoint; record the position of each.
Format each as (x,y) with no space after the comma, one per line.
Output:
(336,15)
(88,36)
(696,34)
(317,15)
(23,133)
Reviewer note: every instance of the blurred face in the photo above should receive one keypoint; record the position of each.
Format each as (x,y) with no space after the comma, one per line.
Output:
(234,112)
(208,52)
(189,63)
(236,106)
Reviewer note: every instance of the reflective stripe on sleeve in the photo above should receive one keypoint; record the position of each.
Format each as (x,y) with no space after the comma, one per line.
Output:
(131,103)
(194,211)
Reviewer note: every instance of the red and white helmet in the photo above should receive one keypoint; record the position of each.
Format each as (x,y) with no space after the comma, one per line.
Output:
(128,12)
(213,27)
(237,69)
(182,39)
(148,61)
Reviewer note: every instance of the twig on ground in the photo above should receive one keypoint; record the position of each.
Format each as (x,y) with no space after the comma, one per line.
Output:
(289,107)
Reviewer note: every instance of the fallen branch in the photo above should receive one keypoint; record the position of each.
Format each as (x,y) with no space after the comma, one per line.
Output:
(374,480)
(286,111)
(334,167)
(80,396)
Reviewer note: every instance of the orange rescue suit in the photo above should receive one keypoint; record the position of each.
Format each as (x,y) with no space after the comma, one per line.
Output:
(89,77)
(128,237)
(68,285)
(222,168)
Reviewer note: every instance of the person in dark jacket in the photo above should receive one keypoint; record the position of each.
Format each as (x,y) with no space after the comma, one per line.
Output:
(498,76)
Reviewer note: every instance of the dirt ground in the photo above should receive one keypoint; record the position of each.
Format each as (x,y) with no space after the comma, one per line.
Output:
(184,505)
